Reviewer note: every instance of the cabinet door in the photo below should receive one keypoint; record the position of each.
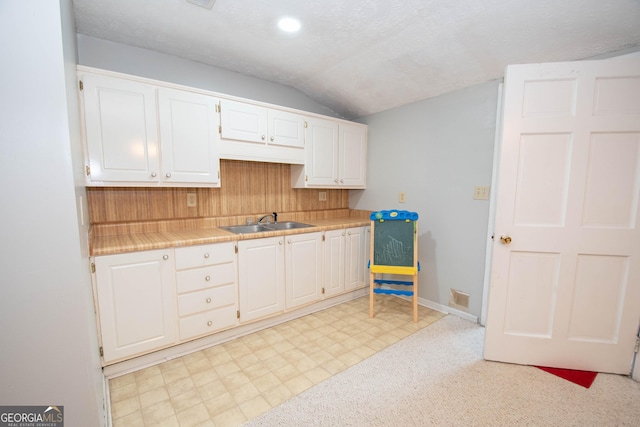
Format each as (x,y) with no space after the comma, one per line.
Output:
(188,137)
(243,122)
(121,129)
(285,129)
(261,277)
(321,167)
(136,302)
(333,269)
(352,158)
(303,263)
(354,258)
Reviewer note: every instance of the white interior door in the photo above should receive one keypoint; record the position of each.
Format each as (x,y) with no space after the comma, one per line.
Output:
(565,292)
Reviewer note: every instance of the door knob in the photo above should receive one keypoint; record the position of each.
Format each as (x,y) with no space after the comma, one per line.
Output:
(505,240)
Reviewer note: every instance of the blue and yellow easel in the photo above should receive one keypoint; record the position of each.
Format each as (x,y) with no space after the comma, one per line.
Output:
(394,250)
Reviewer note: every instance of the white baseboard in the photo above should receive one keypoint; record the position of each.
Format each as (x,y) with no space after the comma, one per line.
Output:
(446,309)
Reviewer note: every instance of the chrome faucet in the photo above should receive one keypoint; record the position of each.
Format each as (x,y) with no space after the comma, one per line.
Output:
(274,215)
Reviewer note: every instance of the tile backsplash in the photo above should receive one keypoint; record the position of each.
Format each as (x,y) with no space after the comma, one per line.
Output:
(248,189)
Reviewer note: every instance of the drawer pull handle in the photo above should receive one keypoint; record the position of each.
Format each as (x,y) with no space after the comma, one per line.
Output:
(206,255)
(207,278)
(209,323)
(208,300)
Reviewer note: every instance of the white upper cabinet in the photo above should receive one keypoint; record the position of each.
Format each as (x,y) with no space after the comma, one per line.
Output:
(145,133)
(188,137)
(253,132)
(139,134)
(120,130)
(352,156)
(336,156)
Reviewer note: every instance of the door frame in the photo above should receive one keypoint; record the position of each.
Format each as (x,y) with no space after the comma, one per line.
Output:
(497,145)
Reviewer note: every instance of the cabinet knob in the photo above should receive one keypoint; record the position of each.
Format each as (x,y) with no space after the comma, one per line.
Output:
(263,137)
(335,180)
(206,255)
(349,233)
(208,278)
(271,139)
(168,175)
(343,233)
(165,257)
(342,181)
(289,241)
(208,300)
(280,242)
(153,174)
(209,323)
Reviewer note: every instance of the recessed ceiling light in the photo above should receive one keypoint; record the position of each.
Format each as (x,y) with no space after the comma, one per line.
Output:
(202,3)
(290,25)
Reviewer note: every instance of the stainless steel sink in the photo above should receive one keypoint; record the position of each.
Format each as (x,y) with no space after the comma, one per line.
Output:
(287,225)
(259,228)
(244,229)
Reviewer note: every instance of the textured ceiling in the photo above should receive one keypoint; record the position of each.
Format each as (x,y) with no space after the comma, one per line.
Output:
(359,57)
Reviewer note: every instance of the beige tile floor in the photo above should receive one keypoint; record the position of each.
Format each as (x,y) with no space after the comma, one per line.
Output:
(231,383)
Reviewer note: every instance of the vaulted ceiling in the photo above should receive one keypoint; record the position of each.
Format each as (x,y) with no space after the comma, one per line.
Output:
(359,57)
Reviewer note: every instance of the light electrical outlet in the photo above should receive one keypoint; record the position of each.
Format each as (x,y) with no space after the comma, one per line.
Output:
(322,196)
(403,197)
(192,200)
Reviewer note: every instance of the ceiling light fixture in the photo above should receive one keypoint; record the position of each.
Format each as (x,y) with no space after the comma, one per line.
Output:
(208,4)
(290,25)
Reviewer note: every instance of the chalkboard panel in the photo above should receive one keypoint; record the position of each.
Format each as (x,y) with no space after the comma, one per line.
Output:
(393,243)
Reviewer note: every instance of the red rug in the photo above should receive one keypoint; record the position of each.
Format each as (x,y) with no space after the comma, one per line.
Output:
(583,378)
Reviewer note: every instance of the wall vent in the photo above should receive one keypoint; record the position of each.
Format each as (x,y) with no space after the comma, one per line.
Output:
(459,300)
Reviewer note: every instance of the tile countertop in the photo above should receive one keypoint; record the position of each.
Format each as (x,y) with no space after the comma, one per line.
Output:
(107,245)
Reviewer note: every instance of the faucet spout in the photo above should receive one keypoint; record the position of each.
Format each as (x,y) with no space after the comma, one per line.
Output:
(273,215)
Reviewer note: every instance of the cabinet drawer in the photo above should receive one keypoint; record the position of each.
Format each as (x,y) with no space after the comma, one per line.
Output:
(207,277)
(207,322)
(203,255)
(207,299)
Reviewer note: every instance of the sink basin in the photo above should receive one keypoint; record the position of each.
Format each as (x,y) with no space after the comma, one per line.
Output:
(243,229)
(258,228)
(287,225)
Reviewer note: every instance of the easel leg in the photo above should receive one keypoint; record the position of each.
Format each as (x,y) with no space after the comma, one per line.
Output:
(415,298)
(372,295)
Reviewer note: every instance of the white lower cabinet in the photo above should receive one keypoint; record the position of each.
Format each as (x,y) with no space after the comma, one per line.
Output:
(151,300)
(345,260)
(303,272)
(261,277)
(356,258)
(333,271)
(136,299)
(207,287)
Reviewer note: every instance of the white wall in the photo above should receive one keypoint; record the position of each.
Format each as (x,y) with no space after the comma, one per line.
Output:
(436,151)
(98,53)
(48,336)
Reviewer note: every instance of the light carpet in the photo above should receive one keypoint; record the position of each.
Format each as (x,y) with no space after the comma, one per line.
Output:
(437,377)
